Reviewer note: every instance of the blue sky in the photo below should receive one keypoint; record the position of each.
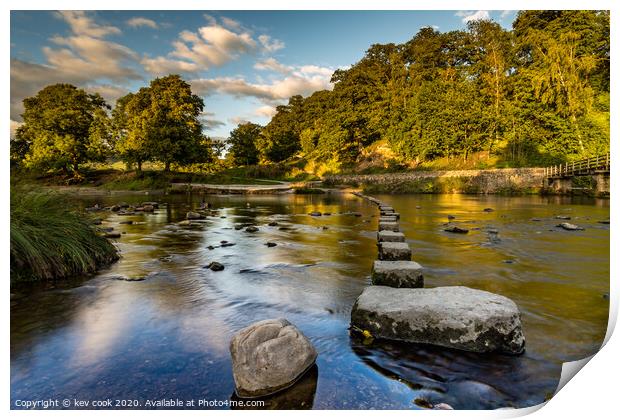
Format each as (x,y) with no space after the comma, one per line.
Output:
(243,63)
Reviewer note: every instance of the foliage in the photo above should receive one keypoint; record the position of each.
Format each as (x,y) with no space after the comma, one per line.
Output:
(63,127)
(50,240)
(537,94)
(161,123)
(242,144)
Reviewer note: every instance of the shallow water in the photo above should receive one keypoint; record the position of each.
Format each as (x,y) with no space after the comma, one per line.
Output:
(167,336)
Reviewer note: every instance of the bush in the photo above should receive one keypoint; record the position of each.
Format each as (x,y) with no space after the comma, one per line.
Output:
(51,240)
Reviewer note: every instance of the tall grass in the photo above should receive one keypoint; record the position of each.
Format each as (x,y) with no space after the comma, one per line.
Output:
(50,239)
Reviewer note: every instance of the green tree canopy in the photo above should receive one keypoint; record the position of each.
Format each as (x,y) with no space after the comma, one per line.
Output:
(161,123)
(242,144)
(64,127)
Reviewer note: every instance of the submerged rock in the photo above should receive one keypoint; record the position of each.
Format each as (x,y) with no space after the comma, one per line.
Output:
(315,213)
(451,217)
(271,244)
(488,210)
(456,229)
(455,317)
(569,226)
(215,266)
(269,356)
(562,217)
(112,235)
(192,215)
(126,222)
(227,244)
(148,208)
(251,229)
(272,224)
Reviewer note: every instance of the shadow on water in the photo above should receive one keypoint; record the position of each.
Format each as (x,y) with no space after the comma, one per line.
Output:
(300,396)
(462,379)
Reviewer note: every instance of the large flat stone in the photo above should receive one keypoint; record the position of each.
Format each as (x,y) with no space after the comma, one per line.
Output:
(390,236)
(269,356)
(397,274)
(386,208)
(389,218)
(456,317)
(394,251)
(393,226)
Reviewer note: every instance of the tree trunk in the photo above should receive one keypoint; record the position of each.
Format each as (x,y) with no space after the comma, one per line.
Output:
(167,167)
(139,166)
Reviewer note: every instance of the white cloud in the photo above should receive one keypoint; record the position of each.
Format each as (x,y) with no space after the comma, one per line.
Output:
(80,58)
(271,64)
(137,22)
(270,45)
(471,15)
(82,24)
(505,13)
(213,45)
(109,92)
(231,24)
(14,126)
(275,91)
(161,66)
(238,120)
(265,111)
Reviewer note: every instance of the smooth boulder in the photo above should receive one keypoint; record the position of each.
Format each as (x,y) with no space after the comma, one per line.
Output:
(406,274)
(269,356)
(455,317)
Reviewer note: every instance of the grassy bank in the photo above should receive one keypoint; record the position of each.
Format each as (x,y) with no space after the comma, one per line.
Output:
(50,239)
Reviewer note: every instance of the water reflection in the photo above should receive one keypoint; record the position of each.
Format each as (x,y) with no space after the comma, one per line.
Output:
(300,396)
(167,336)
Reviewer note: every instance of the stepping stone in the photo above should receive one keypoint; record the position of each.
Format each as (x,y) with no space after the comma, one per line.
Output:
(394,251)
(406,274)
(390,236)
(388,219)
(455,317)
(387,208)
(393,226)
(386,212)
(397,215)
(269,356)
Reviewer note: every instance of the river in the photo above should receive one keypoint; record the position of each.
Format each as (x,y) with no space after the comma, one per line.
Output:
(167,336)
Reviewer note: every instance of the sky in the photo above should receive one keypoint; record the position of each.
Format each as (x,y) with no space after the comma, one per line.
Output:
(242,63)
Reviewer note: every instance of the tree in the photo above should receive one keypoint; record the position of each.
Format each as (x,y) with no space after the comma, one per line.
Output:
(63,128)
(161,123)
(242,144)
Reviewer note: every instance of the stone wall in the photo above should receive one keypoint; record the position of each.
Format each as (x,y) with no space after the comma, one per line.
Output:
(484,181)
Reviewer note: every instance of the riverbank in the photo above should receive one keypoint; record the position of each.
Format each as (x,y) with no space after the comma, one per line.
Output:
(487,181)
(51,239)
